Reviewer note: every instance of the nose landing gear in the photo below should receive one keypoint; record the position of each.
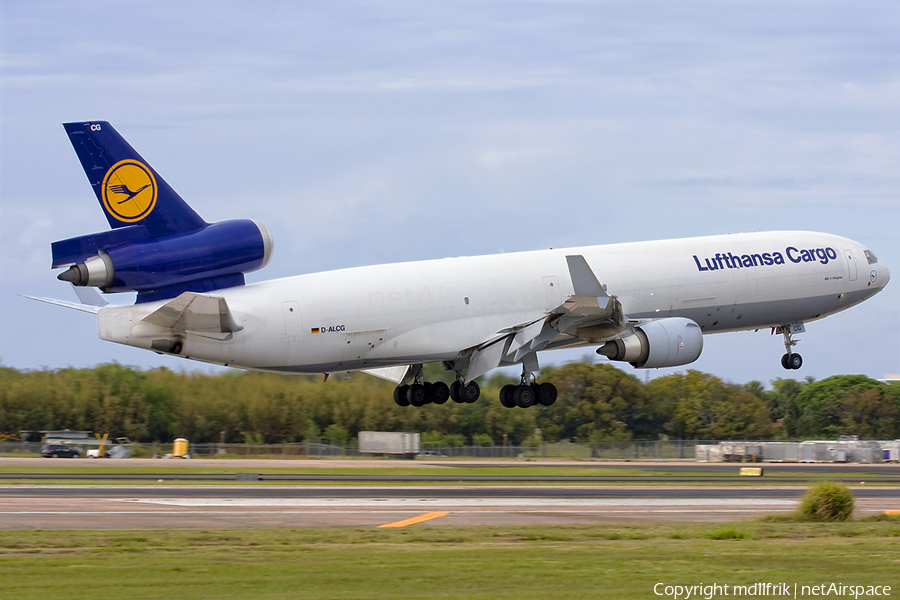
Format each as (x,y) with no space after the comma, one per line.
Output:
(790,360)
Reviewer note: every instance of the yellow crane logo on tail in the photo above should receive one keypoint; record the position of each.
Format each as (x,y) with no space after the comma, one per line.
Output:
(129,191)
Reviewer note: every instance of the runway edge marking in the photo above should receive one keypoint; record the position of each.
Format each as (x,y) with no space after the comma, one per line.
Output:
(412,521)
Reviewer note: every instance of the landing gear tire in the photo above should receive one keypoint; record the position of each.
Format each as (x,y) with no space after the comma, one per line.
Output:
(506,396)
(471,392)
(792,361)
(524,396)
(417,395)
(456,392)
(400,396)
(546,394)
(440,393)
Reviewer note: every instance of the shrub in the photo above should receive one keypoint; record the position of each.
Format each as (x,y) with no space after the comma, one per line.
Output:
(482,439)
(728,533)
(827,501)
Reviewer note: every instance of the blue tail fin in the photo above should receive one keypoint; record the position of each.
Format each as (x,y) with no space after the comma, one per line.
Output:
(129,190)
(157,247)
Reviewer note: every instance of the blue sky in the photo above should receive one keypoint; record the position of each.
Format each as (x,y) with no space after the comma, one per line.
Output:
(369,132)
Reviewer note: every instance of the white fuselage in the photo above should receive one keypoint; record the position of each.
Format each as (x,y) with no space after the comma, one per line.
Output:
(418,312)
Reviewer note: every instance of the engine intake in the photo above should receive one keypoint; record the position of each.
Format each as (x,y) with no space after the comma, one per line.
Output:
(668,342)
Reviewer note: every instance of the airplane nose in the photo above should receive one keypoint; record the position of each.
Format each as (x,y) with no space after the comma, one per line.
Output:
(884,275)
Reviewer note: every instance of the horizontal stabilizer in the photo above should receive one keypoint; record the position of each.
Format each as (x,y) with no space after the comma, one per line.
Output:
(73,305)
(194,312)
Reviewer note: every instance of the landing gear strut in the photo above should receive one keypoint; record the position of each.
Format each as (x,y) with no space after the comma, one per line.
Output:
(790,360)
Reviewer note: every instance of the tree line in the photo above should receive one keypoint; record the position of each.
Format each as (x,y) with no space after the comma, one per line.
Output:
(597,402)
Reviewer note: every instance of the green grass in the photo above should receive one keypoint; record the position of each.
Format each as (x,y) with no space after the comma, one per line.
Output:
(522,563)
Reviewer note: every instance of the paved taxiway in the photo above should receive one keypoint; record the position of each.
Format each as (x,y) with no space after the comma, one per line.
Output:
(437,466)
(223,505)
(229,507)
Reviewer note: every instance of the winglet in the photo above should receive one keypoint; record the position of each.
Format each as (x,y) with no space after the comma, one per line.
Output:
(583,278)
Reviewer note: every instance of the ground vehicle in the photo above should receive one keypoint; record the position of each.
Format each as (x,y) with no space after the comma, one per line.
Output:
(432,454)
(401,444)
(60,451)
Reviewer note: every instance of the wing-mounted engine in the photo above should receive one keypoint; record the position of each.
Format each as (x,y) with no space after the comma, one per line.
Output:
(595,317)
(670,342)
(160,267)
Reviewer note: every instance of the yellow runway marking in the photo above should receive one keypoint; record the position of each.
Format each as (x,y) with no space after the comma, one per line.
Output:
(414,520)
(892,512)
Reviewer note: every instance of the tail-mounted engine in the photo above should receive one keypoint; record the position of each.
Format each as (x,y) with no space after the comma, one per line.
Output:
(668,342)
(130,259)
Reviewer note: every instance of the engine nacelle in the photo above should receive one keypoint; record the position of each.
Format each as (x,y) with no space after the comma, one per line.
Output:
(213,257)
(668,342)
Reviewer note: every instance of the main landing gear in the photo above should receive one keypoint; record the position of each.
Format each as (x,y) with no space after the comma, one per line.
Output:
(527,393)
(421,392)
(790,360)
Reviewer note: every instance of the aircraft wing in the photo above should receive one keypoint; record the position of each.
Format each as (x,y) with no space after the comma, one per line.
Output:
(590,314)
(198,313)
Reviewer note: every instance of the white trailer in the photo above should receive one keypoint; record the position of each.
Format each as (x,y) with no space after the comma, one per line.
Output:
(405,445)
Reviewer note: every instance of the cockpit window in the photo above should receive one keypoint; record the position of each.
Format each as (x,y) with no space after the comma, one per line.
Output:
(870,257)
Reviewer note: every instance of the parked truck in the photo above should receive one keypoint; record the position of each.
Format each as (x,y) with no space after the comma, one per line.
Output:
(404,445)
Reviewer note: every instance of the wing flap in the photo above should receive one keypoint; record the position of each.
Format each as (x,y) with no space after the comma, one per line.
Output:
(485,359)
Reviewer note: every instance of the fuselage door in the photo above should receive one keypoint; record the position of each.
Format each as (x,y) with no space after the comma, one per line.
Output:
(851,264)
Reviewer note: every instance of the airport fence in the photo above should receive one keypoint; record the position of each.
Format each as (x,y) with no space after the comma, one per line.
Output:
(624,450)
(630,450)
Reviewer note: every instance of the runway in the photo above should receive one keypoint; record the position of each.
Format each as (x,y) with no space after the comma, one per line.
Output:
(440,466)
(233,507)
